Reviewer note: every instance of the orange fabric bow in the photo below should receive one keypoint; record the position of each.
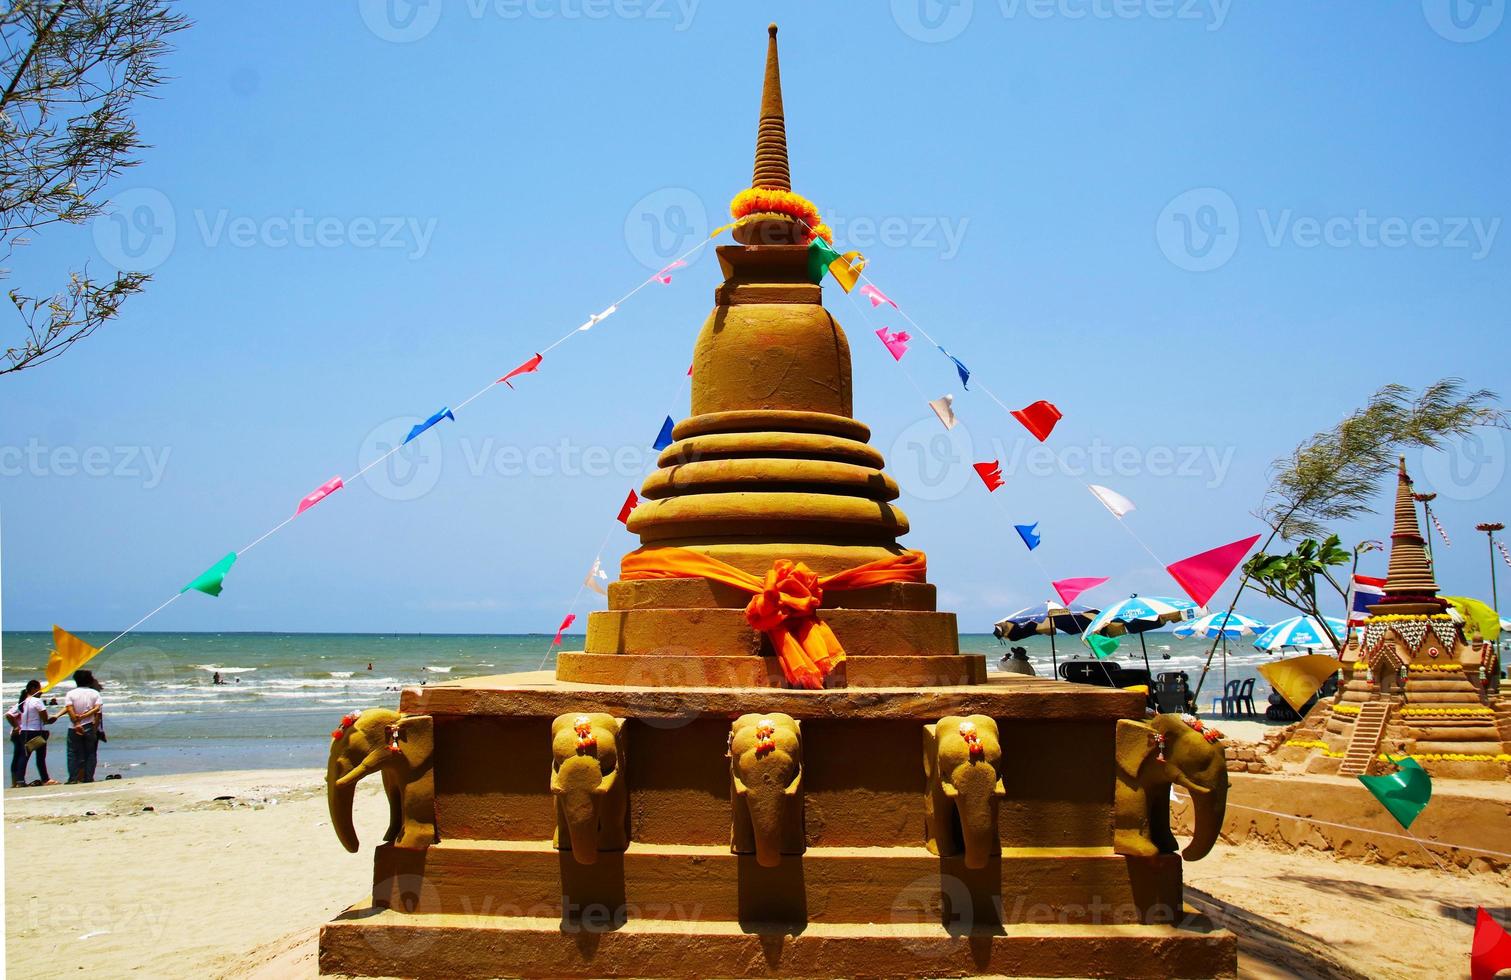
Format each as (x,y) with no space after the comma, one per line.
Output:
(783,606)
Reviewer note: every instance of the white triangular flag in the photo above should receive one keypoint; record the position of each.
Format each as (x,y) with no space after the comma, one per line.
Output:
(596,577)
(1112,500)
(598,318)
(944,407)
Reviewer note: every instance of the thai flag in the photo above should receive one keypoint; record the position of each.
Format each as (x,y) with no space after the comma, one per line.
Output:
(1364,591)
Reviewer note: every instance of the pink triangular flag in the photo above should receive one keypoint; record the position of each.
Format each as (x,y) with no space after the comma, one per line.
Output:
(320,493)
(664,277)
(571,618)
(1202,575)
(896,343)
(876,296)
(1070,588)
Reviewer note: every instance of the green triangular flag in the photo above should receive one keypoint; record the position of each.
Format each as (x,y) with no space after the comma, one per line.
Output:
(1403,793)
(1102,646)
(212,579)
(820,254)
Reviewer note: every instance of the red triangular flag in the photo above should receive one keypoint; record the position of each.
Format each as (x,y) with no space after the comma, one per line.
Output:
(990,473)
(630,503)
(571,618)
(529,367)
(1069,588)
(1202,575)
(1039,418)
(1491,952)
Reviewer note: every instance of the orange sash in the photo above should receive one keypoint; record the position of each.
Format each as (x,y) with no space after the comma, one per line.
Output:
(783,605)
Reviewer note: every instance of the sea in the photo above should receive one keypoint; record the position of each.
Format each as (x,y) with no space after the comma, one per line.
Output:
(282,693)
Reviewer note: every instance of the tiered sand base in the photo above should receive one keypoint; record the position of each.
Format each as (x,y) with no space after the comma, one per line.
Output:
(494,897)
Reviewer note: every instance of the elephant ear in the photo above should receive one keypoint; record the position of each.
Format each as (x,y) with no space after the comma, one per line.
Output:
(416,739)
(1135,742)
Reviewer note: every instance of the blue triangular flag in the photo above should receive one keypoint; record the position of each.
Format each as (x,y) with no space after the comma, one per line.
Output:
(1029,534)
(965,372)
(664,437)
(444,413)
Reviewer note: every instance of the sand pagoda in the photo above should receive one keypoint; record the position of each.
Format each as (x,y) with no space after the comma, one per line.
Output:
(712,788)
(1414,683)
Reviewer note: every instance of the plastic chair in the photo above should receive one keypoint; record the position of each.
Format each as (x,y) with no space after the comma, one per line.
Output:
(1245,698)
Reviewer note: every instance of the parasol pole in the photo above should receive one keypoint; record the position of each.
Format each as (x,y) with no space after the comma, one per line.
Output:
(1054,661)
(1145,647)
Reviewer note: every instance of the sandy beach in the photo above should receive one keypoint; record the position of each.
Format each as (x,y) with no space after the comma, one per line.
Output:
(199,886)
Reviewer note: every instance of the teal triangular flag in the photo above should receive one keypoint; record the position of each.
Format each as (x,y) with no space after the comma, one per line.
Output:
(1102,646)
(212,579)
(820,254)
(1405,793)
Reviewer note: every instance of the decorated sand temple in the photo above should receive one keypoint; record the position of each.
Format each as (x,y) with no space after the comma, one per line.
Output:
(770,758)
(1415,683)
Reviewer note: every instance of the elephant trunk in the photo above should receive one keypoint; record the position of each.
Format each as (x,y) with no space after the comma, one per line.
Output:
(766,812)
(581,817)
(976,803)
(1209,807)
(338,797)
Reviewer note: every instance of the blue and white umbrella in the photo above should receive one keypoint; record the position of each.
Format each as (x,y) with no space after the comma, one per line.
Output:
(1141,613)
(1301,633)
(1229,625)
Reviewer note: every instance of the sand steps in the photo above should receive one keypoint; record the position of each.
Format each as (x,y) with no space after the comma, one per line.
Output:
(1365,742)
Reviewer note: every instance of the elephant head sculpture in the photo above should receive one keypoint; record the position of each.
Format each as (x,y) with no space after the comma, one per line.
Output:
(1151,756)
(587,781)
(401,748)
(766,787)
(962,760)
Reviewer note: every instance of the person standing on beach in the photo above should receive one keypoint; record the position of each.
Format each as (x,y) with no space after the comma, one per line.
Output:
(84,708)
(29,721)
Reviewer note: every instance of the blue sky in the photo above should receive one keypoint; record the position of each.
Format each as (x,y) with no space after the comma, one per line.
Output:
(1203,229)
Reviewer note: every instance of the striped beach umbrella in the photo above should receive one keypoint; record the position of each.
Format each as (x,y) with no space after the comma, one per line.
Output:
(1139,614)
(1228,625)
(1301,633)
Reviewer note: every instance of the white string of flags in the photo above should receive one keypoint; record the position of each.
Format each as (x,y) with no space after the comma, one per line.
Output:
(71,651)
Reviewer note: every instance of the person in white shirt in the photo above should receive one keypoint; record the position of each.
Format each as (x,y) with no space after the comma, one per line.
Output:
(84,709)
(29,721)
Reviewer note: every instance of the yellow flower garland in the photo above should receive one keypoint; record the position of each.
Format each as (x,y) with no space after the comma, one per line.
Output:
(1445,710)
(1345,709)
(1431,668)
(769,200)
(1404,618)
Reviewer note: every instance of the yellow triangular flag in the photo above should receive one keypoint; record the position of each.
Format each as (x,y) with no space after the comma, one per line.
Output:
(846,269)
(1298,678)
(68,655)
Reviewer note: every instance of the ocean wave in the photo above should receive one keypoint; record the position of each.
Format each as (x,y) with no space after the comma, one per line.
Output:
(218,669)
(437,670)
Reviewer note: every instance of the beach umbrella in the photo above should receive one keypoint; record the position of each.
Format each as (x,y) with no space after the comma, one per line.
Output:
(1226,625)
(1139,614)
(1301,633)
(1045,618)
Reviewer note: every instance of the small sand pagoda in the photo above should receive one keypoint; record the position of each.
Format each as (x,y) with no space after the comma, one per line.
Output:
(771,758)
(1414,684)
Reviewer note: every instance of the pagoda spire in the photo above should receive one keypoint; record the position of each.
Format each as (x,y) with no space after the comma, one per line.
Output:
(771,168)
(1410,577)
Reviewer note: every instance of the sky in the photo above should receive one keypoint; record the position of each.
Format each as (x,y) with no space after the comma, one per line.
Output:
(1204,229)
